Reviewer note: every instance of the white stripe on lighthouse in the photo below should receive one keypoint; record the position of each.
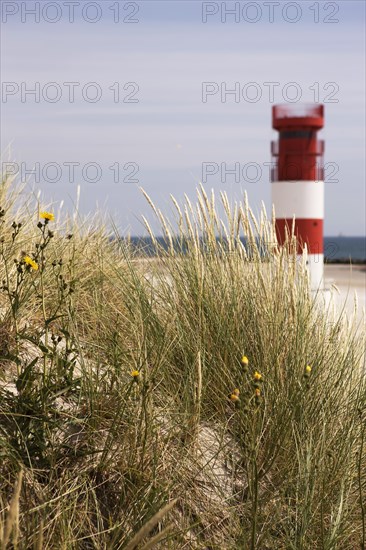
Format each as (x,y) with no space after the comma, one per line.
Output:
(302,199)
(315,264)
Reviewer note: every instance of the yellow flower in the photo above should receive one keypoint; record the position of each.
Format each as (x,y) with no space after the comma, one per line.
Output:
(234,397)
(308,369)
(135,374)
(47,216)
(236,391)
(257,376)
(28,260)
(244,360)
(257,392)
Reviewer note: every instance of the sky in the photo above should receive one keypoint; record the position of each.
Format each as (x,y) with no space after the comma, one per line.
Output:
(113,95)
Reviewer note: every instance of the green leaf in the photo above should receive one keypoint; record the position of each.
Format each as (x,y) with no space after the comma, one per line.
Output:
(37,343)
(53,318)
(27,376)
(11,357)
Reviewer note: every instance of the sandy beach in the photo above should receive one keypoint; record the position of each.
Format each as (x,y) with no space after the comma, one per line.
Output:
(348,279)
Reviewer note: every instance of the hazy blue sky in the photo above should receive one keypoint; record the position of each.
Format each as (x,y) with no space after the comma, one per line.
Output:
(159,132)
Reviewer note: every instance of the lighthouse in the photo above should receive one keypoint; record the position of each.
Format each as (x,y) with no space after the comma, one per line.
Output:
(297,182)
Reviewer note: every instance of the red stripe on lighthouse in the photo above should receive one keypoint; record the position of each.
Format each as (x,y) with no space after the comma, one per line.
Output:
(309,231)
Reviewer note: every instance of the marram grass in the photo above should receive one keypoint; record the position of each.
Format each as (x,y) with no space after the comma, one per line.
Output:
(199,399)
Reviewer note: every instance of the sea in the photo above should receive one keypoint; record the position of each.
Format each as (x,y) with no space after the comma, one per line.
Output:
(345,249)
(338,249)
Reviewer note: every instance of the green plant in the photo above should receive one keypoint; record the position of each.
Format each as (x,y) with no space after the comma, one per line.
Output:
(196,398)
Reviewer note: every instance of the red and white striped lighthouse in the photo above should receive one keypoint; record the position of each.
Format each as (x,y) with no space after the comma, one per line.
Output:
(297,181)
